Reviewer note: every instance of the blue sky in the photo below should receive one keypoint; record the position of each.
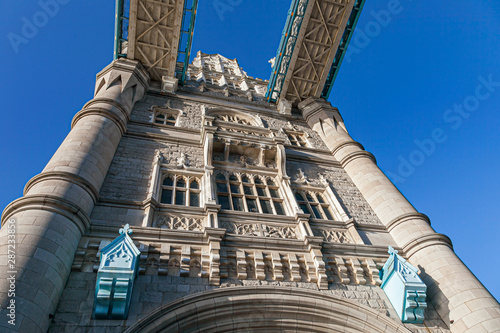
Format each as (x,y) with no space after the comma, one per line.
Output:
(412,91)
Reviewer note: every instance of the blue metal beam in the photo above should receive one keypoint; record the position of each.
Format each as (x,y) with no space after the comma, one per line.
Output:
(121,26)
(285,50)
(186,39)
(344,43)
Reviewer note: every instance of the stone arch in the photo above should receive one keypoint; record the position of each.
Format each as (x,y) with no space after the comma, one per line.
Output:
(265,308)
(253,120)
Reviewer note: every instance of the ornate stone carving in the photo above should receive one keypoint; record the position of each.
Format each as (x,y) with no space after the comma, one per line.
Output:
(333,236)
(175,222)
(242,131)
(259,230)
(279,232)
(241,228)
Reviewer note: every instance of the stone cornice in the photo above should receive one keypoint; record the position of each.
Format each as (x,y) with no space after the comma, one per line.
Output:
(355,155)
(291,155)
(48,203)
(127,65)
(422,242)
(369,251)
(406,217)
(166,127)
(149,234)
(64,176)
(220,102)
(345,144)
(162,137)
(103,113)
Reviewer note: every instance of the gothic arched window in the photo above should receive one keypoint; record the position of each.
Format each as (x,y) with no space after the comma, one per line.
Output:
(249,194)
(180,190)
(314,204)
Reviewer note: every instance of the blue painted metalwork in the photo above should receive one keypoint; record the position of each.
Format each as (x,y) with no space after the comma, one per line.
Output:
(121,27)
(186,39)
(285,49)
(344,43)
(115,277)
(404,288)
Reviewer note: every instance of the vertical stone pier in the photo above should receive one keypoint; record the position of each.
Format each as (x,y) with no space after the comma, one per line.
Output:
(460,299)
(54,212)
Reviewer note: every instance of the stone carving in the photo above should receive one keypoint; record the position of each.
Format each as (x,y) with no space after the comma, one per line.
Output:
(259,230)
(301,177)
(279,232)
(352,270)
(182,161)
(240,228)
(351,199)
(175,222)
(333,236)
(242,131)
(232,119)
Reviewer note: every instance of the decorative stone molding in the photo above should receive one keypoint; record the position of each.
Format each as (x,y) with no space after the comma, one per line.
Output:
(49,203)
(115,277)
(404,288)
(259,230)
(251,308)
(177,222)
(333,236)
(279,232)
(352,270)
(169,84)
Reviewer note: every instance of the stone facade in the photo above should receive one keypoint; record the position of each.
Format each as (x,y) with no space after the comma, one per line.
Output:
(227,195)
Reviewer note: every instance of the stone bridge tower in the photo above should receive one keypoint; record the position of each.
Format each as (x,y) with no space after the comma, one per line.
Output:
(252,208)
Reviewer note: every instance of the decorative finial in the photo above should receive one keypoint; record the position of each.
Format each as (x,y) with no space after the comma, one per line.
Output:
(301,178)
(125,230)
(322,179)
(159,157)
(392,250)
(182,161)
(272,61)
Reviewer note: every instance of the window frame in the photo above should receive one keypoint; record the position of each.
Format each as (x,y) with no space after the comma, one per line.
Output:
(297,139)
(314,206)
(256,191)
(167,113)
(188,190)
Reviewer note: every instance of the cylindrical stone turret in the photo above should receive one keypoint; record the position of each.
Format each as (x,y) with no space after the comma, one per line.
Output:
(462,301)
(54,212)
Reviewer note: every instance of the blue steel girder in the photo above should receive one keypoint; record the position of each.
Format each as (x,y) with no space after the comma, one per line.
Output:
(186,39)
(122,16)
(307,61)
(344,43)
(121,27)
(285,49)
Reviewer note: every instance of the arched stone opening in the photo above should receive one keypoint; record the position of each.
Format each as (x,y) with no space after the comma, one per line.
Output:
(265,309)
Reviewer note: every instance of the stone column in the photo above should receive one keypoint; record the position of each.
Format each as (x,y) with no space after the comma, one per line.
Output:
(461,300)
(54,212)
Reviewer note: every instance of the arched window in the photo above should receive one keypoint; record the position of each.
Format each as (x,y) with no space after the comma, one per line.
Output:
(314,204)
(297,139)
(163,116)
(180,190)
(249,194)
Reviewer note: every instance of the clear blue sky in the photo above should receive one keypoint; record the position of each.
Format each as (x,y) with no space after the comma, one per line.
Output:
(407,71)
